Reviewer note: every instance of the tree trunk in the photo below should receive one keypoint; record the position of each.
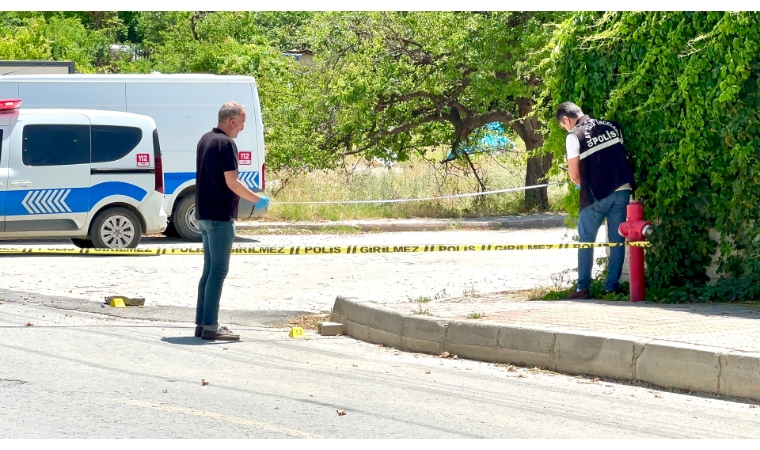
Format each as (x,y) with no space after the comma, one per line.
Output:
(538,165)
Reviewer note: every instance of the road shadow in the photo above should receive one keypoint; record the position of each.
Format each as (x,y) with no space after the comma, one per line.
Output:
(192,340)
(176,240)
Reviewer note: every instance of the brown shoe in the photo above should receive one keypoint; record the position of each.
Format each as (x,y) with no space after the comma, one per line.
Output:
(579,295)
(223,334)
(198,330)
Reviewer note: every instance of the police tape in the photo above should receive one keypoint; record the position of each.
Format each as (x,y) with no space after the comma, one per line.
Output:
(424,199)
(308,250)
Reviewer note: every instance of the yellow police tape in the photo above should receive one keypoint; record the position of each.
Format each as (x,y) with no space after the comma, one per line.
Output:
(306,250)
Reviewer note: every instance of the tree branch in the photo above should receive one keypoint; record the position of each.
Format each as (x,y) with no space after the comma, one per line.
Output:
(382,103)
(394,131)
(475,172)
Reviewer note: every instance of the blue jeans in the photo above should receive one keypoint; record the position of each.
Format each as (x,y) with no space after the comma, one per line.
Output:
(613,208)
(217,247)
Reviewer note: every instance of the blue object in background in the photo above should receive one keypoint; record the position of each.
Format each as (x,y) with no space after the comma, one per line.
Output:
(490,138)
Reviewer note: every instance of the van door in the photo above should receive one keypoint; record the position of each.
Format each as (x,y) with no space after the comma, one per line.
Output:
(3,173)
(49,173)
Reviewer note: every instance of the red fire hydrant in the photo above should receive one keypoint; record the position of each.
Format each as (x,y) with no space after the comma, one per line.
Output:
(636,229)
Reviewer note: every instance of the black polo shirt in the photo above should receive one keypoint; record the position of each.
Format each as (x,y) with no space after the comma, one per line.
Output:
(216,154)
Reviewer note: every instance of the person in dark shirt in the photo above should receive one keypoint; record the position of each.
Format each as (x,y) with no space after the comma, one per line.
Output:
(217,193)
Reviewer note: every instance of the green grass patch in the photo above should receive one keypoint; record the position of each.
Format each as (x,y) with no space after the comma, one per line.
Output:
(475,316)
(420,312)
(596,291)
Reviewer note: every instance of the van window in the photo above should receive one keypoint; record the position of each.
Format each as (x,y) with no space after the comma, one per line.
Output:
(56,145)
(111,143)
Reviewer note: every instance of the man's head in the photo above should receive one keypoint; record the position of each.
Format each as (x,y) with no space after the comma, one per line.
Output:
(231,119)
(568,114)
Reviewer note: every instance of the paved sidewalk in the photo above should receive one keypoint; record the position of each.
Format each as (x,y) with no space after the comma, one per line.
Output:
(548,220)
(726,326)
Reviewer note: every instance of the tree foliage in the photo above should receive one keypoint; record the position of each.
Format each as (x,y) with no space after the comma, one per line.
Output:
(685,87)
(84,38)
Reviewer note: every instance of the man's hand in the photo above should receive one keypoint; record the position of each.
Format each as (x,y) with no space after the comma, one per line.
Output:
(262,203)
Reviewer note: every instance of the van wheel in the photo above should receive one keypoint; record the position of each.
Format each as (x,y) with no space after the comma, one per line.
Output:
(116,228)
(82,243)
(184,219)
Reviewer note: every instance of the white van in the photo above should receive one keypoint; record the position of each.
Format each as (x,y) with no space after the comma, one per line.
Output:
(92,176)
(184,108)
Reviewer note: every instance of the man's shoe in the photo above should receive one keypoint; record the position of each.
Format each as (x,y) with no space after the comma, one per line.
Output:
(198,331)
(222,334)
(578,295)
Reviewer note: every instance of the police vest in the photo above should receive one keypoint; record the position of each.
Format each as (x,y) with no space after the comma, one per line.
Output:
(603,164)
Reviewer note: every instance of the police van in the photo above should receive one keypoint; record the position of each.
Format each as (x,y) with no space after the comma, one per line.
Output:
(92,176)
(184,108)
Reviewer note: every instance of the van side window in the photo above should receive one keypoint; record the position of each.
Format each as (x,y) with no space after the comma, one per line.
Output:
(56,145)
(111,143)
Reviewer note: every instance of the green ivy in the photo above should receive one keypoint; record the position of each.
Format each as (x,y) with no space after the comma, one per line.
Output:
(686,88)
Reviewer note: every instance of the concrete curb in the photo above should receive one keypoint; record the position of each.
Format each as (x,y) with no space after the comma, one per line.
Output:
(663,363)
(494,223)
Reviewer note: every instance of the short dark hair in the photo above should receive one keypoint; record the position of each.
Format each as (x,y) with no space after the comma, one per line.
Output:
(569,110)
(230,110)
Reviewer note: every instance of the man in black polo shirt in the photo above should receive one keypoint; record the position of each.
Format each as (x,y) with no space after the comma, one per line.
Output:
(597,163)
(217,193)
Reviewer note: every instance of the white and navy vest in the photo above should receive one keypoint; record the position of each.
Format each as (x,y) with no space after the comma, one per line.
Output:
(603,163)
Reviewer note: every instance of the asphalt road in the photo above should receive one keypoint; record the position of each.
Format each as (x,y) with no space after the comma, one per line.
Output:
(76,374)
(301,282)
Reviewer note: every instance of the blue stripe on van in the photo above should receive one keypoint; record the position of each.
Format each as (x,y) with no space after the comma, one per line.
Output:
(65,200)
(103,190)
(174,180)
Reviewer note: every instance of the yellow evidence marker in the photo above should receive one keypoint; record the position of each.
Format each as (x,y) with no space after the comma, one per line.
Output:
(297,332)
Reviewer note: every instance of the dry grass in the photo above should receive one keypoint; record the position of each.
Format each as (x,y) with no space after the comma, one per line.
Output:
(538,293)
(360,180)
(309,321)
